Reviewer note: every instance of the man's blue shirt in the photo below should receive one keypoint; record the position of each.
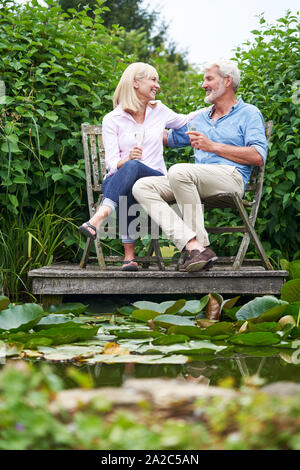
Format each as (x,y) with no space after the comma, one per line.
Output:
(243,126)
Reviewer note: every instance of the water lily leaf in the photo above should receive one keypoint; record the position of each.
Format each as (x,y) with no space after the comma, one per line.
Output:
(137,334)
(264,351)
(213,308)
(258,338)
(172,320)
(272,314)
(230,303)
(4,302)
(261,305)
(168,307)
(55,319)
(294,269)
(20,317)
(75,308)
(293,309)
(69,352)
(290,291)
(190,331)
(220,328)
(144,315)
(127,310)
(190,348)
(193,307)
(170,339)
(265,326)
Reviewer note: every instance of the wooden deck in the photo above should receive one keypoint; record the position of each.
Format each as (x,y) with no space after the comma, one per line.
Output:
(60,279)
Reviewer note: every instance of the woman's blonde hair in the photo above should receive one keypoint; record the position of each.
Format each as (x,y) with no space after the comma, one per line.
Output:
(125,94)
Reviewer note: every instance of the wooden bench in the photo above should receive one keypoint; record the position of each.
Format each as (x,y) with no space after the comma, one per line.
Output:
(95,171)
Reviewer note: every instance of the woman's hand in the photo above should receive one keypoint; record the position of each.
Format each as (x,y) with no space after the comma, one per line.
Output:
(136,153)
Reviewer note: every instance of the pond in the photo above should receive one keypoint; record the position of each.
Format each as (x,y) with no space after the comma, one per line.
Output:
(213,372)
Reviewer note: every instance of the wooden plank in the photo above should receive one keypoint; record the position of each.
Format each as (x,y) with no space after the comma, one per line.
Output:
(68,279)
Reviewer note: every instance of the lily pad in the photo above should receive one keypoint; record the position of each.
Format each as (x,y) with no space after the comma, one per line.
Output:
(258,338)
(172,320)
(20,317)
(193,307)
(4,302)
(137,359)
(220,328)
(168,307)
(75,308)
(138,334)
(270,306)
(290,291)
(56,319)
(144,315)
(190,331)
(170,339)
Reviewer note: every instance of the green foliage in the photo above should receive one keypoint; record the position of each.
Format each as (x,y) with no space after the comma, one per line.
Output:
(270,80)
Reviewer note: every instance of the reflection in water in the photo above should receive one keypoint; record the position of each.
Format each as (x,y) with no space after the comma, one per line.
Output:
(208,372)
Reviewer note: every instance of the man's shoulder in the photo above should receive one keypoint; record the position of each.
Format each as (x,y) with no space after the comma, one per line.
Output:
(249,108)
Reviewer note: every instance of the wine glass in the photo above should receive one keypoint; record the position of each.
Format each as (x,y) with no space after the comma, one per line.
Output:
(191,127)
(139,134)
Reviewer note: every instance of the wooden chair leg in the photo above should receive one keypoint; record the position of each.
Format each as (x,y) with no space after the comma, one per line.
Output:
(85,255)
(253,235)
(158,254)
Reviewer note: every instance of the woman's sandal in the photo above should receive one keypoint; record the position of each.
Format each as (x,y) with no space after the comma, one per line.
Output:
(86,232)
(130,267)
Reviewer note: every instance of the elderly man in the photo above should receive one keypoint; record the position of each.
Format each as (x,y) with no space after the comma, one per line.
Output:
(229,139)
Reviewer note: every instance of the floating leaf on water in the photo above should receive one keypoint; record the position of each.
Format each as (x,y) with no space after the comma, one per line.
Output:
(137,334)
(219,328)
(290,291)
(75,308)
(267,308)
(56,319)
(126,310)
(190,331)
(258,338)
(264,326)
(193,307)
(20,317)
(172,320)
(205,323)
(168,307)
(170,339)
(144,315)
(4,302)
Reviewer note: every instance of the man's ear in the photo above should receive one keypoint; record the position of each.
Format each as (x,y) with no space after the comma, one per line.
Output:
(228,81)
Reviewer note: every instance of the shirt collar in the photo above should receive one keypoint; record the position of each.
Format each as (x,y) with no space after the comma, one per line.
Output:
(233,108)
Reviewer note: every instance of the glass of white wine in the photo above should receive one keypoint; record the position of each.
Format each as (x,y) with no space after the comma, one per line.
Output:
(139,134)
(191,127)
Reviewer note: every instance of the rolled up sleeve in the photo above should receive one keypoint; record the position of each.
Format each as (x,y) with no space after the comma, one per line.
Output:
(255,134)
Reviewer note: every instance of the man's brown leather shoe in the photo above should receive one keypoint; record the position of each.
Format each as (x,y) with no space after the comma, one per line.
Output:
(199,261)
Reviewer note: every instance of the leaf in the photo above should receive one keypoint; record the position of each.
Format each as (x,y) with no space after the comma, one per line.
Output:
(220,328)
(20,317)
(75,308)
(170,339)
(172,320)
(170,306)
(261,305)
(294,269)
(290,291)
(257,338)
(190,331)
(4,302)
(213,308)
(193,307)
(144,315)
(55,319)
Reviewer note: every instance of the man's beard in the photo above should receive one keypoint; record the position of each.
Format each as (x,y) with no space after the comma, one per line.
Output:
(214,94)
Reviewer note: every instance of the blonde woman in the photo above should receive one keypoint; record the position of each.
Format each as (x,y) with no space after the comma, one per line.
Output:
(136,115)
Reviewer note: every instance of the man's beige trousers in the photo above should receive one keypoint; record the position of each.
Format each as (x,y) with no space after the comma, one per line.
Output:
(185,184)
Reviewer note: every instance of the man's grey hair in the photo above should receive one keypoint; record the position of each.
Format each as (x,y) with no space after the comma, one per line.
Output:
(226,68)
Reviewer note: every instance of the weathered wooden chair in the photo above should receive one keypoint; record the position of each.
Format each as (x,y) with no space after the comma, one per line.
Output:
(95,171)
(252,201)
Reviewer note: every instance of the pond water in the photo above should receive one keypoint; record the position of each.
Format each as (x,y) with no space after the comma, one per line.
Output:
(207,372)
